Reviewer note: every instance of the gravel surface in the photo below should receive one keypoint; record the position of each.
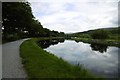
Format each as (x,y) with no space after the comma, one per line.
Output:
(12,65)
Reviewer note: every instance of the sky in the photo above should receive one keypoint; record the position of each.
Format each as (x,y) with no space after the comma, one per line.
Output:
(72,16)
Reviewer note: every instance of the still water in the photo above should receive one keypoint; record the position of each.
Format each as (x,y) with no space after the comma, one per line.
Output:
(101,60)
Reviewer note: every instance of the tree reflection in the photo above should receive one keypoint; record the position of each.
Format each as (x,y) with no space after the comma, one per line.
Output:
(76,41)
(98,47)
(48,42)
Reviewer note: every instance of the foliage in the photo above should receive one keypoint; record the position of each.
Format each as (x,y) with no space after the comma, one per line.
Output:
(16,19)
(113,33)
(19,22)
(78,35)
(100,34)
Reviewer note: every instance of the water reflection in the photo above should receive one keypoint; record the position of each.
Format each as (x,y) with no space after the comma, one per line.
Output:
(48,42)
(78,52)
(77,41)
(98,47)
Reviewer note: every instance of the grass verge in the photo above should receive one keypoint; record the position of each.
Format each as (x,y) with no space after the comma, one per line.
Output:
(41,64)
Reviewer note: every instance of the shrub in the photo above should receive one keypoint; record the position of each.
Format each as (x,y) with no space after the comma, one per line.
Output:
(100,34)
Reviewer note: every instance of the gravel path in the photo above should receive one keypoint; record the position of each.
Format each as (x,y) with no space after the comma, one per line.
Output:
(12,66)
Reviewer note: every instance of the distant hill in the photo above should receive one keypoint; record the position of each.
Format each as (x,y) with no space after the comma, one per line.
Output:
(114,33)
(115,30)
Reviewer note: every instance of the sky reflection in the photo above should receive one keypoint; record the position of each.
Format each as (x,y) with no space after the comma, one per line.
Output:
(104,64)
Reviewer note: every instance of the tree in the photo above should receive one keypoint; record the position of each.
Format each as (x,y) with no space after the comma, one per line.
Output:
(16,18)
(61,34)
(19,22)
(100,34)
(35,30)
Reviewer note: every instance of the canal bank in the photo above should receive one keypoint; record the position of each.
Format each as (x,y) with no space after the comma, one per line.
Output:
(41,64)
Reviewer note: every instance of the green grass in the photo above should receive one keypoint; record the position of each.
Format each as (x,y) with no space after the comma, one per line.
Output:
(41,64)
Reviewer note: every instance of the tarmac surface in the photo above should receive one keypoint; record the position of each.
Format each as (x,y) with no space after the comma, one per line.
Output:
(11,61)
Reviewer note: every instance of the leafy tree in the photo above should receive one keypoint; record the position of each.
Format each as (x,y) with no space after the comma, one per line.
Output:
(19,22)
(36,29)
(16,18)
(46,32)
(61,34)
(100,34)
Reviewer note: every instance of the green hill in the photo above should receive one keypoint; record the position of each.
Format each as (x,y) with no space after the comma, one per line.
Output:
(114,33)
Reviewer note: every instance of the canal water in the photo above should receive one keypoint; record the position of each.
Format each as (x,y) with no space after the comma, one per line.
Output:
(100,60)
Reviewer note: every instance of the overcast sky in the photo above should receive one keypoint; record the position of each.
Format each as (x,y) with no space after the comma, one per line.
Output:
(75,15)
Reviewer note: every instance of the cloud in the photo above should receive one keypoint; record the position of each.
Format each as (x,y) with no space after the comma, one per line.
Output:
(76,16)
(119,13)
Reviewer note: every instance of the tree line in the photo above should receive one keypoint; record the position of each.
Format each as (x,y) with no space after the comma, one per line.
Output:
(19,22)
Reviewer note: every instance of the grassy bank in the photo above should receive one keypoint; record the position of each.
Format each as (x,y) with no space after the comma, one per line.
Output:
(108,42)
(41,64)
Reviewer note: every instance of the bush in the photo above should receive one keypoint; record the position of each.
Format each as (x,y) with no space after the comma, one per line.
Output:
(100,34)
(85,36)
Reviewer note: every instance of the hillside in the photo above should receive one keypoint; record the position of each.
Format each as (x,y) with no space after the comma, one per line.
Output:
(113,33)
